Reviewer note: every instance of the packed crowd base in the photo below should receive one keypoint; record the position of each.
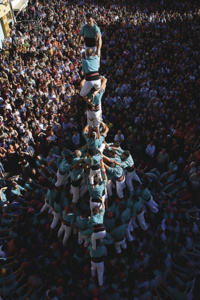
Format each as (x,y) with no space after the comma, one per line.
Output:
(100,200)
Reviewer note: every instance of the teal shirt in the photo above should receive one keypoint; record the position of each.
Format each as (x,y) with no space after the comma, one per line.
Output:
(90,64)
(108,240)
(119,150)
(137,206)
(81,222)
(55,150)
(51,170)
(58,207)
(70,218)
(63,153)
(97,98)
(17,191)
(146,194)
(50,196)
(167,178)
(117,172)
(64,166)
(3,196)
(76,174)
(93,143)
(90,32)
(30,186)
(109,224)
(130,203)
(99,252)
(94,160)
(41,161)
(119,232)
(152,176)
(172,167)
(125,215)
(128,162)
(98,189)
(97,219)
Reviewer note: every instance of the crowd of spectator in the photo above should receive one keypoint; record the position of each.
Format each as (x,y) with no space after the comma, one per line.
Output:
(150,58)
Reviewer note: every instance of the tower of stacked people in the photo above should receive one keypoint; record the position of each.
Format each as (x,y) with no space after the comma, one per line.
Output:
(100,169)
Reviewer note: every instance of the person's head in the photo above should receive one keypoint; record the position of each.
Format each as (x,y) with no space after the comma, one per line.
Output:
(96,180)
(111,164)
(89,19)
(119,132)
(92,151)
(125,154)
(68,156)
(78,153)
(96,210)
(116,144)
(112,153)
(89,52)
(94,135)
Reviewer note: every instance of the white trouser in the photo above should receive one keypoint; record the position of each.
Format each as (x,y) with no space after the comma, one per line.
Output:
(119,245)
(93,173)
(55,219)
(109,189)
(99,268)
(129,236)
(67,231)
(153,206)
(75,193)
(133,223)
(93,204)
(94,117)
(82,238)
(129,178)
(102,147)
(88,85)
(141,221)
(97,235)
(120,185)
(60,179)
(45,207)
(83,189)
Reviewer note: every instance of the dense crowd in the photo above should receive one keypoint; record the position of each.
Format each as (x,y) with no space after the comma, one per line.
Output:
(129,227)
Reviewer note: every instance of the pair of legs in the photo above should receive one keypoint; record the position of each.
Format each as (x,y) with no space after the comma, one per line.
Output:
(94,120)
(97,235)
(99,268)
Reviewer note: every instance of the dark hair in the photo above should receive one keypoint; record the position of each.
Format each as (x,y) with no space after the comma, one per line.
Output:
(126,153)
(112,164)
(93,151)
(89,15)
(117,144)
(96,210)
(68,156)
(96,180)
(113,152)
